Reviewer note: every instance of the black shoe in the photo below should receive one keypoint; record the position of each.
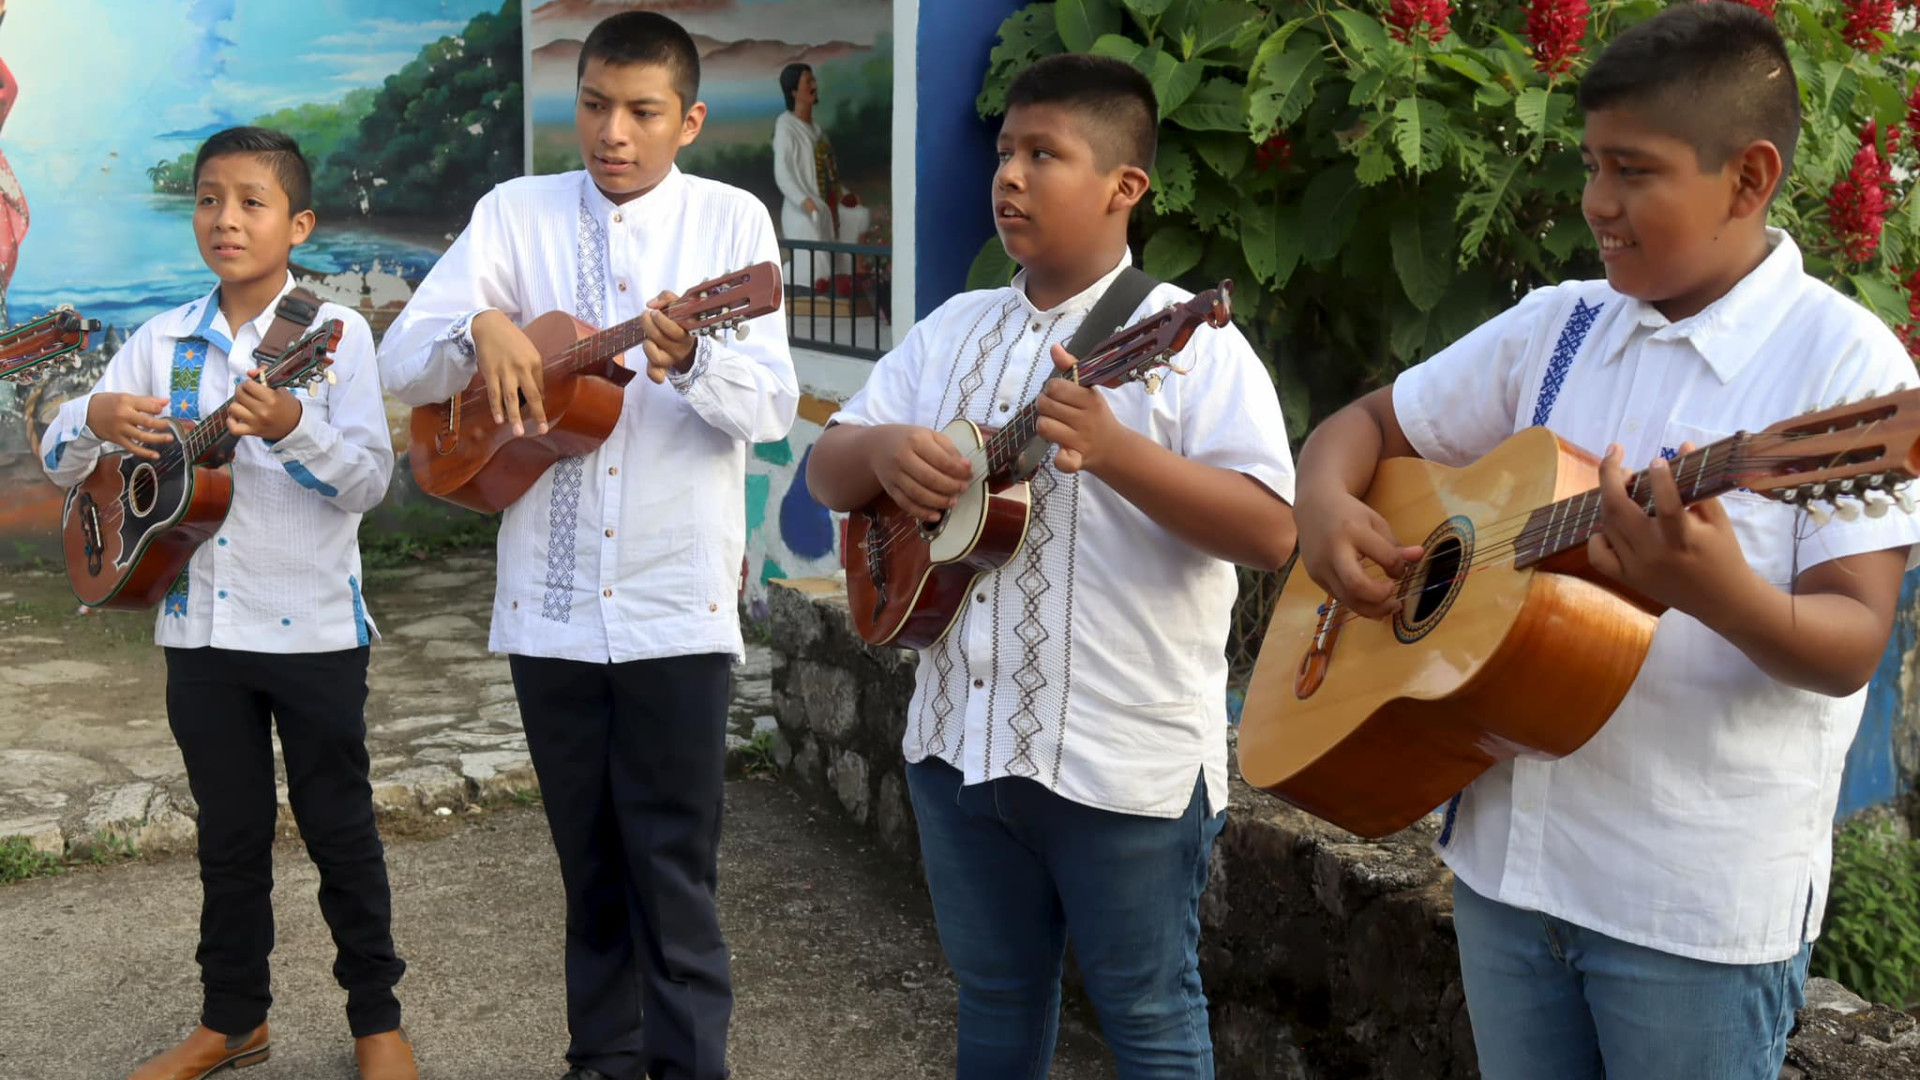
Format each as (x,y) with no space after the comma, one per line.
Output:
(585,1074)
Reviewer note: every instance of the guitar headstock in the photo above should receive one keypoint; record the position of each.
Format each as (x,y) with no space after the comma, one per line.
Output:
(728,301)
(307,360)
(1132,353)
(1853,457)
(33,350)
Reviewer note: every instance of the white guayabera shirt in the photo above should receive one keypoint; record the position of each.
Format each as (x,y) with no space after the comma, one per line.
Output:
(631,552)
(1698,821)
(1095,661)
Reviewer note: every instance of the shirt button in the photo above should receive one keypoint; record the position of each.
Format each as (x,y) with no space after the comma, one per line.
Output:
(516,605)
(609,534)
(623,286)
(979,598)
(222,594)
(223,541)
(614,471)
(606,592)
(618,218)
(1004,406)
(1036,328)
(978,683)
(713,607)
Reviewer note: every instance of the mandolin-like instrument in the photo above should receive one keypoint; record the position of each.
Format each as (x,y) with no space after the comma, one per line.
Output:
(459,454)
(33,349)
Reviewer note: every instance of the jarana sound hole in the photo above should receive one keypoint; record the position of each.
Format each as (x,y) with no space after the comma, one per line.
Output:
(1436,582)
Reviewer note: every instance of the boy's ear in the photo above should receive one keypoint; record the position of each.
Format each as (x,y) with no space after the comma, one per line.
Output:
(303,223)
(691,123)
(1130,188)
(1756,177)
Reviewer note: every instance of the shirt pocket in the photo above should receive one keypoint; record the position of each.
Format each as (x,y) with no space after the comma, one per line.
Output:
(1765,527)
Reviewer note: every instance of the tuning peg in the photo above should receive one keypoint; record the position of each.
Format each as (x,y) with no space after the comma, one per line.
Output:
(1820,515)
(1877,508)
(1903,500)
(1847,511)
(332,379)
(740,330)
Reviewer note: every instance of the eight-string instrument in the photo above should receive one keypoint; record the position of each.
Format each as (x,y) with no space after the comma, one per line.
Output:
(33,349)
(1508,642)
(460,454)
(131,526)
(907,579)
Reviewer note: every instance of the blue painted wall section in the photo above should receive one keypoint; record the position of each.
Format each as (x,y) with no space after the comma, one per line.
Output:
(805,525)
(1875,774)
(953,151)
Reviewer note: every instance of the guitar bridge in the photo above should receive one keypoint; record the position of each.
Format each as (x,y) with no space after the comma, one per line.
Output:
(445,441)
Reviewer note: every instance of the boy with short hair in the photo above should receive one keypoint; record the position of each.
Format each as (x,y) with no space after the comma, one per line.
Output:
(1067,738)
(1644,907)
(619,570)
(268,623)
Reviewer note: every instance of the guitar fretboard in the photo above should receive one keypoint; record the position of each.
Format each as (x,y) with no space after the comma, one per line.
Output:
(1569,523)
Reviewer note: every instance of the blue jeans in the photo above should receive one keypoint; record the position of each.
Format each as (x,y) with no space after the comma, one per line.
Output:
(1014,869)
(1551,999)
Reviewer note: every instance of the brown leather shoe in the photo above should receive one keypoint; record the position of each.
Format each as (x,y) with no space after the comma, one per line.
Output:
(204,1053)
(386,1056)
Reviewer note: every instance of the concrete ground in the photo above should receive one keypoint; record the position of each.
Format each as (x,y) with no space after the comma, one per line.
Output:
(836,964)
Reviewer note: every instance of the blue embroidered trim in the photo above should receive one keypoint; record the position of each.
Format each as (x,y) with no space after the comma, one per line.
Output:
(307,480)
(189,363)
(563,506)
(461,333)
(60,449)
(359,609)
(1453,811)
(684,383)
(1571,339)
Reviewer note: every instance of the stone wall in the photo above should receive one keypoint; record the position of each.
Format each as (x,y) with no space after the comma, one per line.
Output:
(1325,957)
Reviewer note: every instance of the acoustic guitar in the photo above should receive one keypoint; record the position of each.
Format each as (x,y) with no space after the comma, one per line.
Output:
(32,350)
(906,579)
(459,454)
(129,528)
(1508,641)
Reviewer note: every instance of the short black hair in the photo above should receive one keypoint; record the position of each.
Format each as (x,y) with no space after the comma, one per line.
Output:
(646,37)
(276,148)
(790,81)
(1714,74)
(1123,118)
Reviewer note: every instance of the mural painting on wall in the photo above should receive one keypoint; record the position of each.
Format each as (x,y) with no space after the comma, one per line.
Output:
(838,155)
(407,110)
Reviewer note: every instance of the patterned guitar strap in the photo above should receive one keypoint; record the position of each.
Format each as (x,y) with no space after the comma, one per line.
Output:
(1572,336)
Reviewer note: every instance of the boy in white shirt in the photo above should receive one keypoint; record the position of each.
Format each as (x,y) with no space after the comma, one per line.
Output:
(1644,907)
(619,570)
(1067,738)
(267,624)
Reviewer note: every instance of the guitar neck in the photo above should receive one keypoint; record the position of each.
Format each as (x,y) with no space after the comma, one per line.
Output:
(209,436)
(1568,524)
(600,348)
(1003,449)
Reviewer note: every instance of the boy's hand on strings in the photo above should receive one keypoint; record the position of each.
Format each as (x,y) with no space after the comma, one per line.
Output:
(1686,557)
(919,468)
(258,409)
(1349,550)
(1077,419)
(129,421)
(669,347)
(513,370)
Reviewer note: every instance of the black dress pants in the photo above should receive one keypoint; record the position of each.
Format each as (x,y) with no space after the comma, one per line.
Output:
(631,759)
(221,705)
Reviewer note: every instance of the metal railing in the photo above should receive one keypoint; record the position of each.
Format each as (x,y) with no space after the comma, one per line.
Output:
(839,297)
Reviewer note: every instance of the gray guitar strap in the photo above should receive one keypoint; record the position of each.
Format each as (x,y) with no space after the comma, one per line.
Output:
(1109,314)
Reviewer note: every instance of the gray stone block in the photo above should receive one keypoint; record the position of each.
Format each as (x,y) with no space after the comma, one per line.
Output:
(848,775)
(795,625)
(893,816)
(829,699)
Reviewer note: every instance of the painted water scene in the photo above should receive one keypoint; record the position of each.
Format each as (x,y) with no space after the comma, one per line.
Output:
(407,110)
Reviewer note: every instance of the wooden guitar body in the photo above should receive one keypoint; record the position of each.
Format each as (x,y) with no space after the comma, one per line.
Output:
(916,578)
(1372,723)
(129,528)
(459,454)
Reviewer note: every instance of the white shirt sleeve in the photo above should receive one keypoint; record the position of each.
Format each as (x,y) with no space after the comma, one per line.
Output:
(347,458)
(69,448)
(1462,402)
(746,386)
(427,355)
(1230,412)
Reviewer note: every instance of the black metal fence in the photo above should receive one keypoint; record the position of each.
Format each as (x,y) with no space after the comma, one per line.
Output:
(839,297)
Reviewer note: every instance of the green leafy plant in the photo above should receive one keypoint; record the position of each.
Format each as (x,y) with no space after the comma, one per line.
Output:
(1871,941)
(757,757)
(20,860)
(1380,178)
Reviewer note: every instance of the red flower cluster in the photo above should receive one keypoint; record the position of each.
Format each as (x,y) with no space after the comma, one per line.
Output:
(1556,27)
(1866,21)
(1276,152)
(1913,119)
(1406,17)
(1857,206)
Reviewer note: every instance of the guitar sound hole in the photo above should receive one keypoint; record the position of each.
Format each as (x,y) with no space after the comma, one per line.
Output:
(1436,582)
